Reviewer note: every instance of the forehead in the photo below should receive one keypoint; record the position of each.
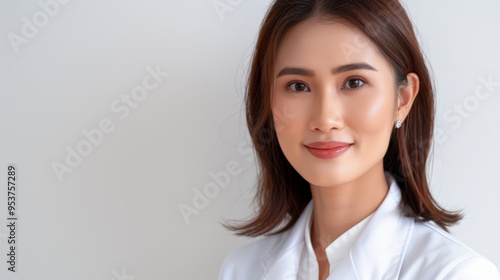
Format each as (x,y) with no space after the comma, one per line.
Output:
(326,44)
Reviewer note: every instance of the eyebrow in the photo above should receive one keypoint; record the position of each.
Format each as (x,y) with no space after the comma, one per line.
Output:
(340,69)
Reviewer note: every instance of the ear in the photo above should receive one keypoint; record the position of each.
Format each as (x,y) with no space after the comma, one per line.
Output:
(407,93)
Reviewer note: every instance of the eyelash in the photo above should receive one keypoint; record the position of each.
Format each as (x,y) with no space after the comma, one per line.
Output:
(287,87)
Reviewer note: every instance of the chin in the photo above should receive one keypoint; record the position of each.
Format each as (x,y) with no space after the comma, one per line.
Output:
(326,178)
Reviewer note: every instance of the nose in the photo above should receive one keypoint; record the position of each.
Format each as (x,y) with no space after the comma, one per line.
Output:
(327,112)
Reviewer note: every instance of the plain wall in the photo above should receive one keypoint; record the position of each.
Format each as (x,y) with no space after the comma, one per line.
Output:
(100,68)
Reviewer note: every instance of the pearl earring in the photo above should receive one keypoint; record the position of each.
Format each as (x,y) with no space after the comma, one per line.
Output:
(398,124)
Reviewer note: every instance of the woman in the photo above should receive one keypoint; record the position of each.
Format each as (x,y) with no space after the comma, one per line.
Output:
(340,109)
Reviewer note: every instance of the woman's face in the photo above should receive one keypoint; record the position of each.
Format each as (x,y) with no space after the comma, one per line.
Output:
(344,91)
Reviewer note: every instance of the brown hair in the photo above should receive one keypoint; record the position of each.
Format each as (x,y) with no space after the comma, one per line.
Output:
(282,194)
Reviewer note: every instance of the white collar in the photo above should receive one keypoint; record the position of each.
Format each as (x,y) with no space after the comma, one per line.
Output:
(387,231)
(335,252)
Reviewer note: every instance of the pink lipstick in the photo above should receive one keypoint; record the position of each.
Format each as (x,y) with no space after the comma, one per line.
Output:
(327,150)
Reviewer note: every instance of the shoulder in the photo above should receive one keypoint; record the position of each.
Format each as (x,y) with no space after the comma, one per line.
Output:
(256,258)
(476,267)
(246,262)
(434,253)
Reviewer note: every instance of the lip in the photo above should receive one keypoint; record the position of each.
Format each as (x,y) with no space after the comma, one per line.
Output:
(327,150)
(327,145)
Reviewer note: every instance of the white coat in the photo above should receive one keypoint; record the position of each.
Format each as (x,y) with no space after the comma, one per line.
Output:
(391,246)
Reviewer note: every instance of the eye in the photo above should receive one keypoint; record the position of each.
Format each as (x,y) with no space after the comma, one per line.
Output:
(353,83)
(297,87)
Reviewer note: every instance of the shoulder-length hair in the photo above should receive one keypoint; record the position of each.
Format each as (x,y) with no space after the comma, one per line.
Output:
(282,194)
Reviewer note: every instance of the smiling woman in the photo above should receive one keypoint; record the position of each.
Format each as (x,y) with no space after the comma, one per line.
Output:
(343,191)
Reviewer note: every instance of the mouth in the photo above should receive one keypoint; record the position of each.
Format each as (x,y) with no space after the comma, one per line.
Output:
(327,150)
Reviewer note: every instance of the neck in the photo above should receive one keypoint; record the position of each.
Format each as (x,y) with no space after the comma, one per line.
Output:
(338,208)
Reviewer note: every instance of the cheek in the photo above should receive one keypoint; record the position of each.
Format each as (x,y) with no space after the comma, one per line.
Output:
(371,113)
(289,115)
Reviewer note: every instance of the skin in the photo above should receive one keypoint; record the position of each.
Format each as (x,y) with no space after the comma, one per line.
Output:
(358,106)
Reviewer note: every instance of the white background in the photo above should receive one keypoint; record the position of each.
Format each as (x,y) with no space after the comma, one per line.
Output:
(116,214)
